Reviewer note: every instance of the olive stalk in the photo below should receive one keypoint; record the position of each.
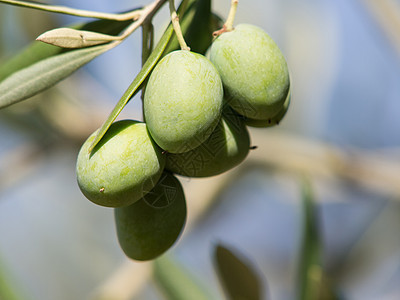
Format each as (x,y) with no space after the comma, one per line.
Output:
(231,16)
(177,27)
(228,25)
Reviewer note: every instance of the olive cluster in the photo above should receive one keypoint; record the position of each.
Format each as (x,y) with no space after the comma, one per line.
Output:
(196,114)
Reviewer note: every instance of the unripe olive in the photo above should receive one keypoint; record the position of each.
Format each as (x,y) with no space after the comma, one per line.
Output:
(123,166)
(226,147)
(183,101)
(150,226)
(274,120)
(253,71)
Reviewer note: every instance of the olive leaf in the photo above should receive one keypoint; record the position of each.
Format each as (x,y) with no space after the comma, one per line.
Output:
(73,38)
(135,85)
(313,282)
(239,279)
(33,53)
(8,286)
(45,73)
(199,32)
(176,282)
(140,78)
(37,51)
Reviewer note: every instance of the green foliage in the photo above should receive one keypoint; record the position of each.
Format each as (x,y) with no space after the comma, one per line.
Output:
(197,25)
(135,85)
(313,281)
(139,80)
(176,282)
(45,73)
(8,290)
(35,52)
(239,279)
(199,32)
(40,66)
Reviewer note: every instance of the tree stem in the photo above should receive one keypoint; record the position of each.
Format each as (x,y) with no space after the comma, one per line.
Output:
(146,14)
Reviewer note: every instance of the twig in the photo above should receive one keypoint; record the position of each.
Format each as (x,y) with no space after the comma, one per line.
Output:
(146,14)
(379,173)
(132,15)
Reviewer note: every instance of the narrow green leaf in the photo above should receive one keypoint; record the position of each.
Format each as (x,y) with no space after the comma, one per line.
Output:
(73,38)
(45,73)
(104,26)
(176,282)
(199,32)
(196,26)
(310,258)
(8,289)
(313,282)
(38,51)
(238,278)
(135,85)
(35,52)
(139,79)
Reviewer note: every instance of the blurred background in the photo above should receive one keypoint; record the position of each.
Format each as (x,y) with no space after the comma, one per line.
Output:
(341,132)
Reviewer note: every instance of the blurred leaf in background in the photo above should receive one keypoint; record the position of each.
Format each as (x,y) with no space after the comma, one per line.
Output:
(237,276)
(176,282)
(8,286)
(313,281)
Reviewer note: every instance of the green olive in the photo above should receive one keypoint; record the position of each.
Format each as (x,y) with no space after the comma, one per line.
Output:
(227,147)
(149,227)
(274,120)
(253,71)
(122,167)
(183,101)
